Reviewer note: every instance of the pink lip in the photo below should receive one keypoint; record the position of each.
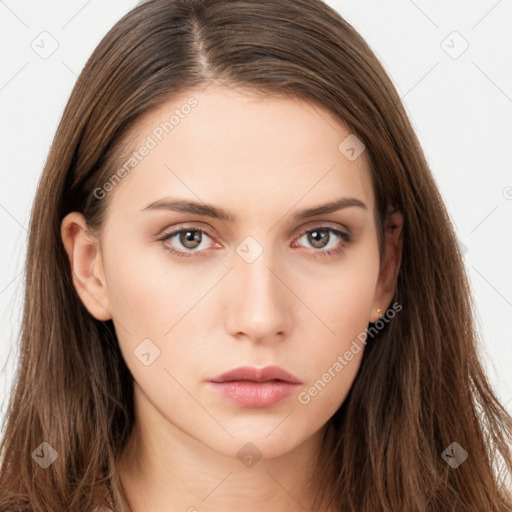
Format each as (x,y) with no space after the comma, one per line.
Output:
(248,386)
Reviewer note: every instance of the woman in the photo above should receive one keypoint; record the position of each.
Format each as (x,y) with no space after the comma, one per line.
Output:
(243,287)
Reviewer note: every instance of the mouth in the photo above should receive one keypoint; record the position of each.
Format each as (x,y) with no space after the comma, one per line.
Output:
(252,387)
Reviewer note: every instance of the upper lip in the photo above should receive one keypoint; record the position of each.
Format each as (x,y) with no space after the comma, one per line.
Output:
(252,373)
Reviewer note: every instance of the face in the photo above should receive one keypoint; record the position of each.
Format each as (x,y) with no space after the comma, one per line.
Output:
(251,275)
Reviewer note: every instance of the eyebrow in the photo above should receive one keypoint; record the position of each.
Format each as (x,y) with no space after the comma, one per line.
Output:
(215,212)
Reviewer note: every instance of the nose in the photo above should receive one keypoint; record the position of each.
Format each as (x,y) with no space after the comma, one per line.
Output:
(260,306)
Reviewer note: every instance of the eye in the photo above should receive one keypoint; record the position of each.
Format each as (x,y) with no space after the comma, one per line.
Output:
(321,237)
(189,240)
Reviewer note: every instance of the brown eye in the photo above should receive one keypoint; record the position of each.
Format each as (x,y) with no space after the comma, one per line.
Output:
(325,241)
(318,238)
(187,241)
(191,238)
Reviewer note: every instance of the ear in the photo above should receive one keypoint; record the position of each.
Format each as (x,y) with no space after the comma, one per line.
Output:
(390,265)
(86,264)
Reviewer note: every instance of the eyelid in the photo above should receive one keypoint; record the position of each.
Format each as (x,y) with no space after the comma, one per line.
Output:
(308,227)
(324,224)
(182,227)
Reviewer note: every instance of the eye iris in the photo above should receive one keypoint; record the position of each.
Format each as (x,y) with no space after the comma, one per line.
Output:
(318,243)
(190,237)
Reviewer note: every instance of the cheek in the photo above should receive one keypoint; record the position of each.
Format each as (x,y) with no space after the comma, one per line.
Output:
(153,298)
(333,343)
(147,294)
(152,303)
(342,300)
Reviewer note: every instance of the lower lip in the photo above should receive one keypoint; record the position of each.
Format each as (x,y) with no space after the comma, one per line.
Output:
(254,394)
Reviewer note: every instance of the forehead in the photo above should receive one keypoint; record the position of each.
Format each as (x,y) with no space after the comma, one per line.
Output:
(259,153)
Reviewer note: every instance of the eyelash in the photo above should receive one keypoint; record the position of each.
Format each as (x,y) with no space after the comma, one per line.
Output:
(345,237)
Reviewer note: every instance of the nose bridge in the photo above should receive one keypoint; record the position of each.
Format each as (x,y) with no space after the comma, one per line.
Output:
(260,303)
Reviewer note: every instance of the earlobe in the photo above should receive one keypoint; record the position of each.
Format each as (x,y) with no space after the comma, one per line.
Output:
(390,266)
(86,265)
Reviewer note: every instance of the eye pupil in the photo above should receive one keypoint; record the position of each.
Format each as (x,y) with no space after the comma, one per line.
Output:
(189,238)
(323,238)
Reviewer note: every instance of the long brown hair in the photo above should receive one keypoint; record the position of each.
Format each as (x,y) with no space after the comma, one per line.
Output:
(420,387)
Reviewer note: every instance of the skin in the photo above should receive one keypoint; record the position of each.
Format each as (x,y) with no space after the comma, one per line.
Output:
(263,160)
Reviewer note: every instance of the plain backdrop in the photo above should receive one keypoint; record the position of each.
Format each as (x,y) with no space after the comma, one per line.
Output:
(451,62)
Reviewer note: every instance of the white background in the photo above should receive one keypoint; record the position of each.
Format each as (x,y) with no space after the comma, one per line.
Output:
(461,109)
